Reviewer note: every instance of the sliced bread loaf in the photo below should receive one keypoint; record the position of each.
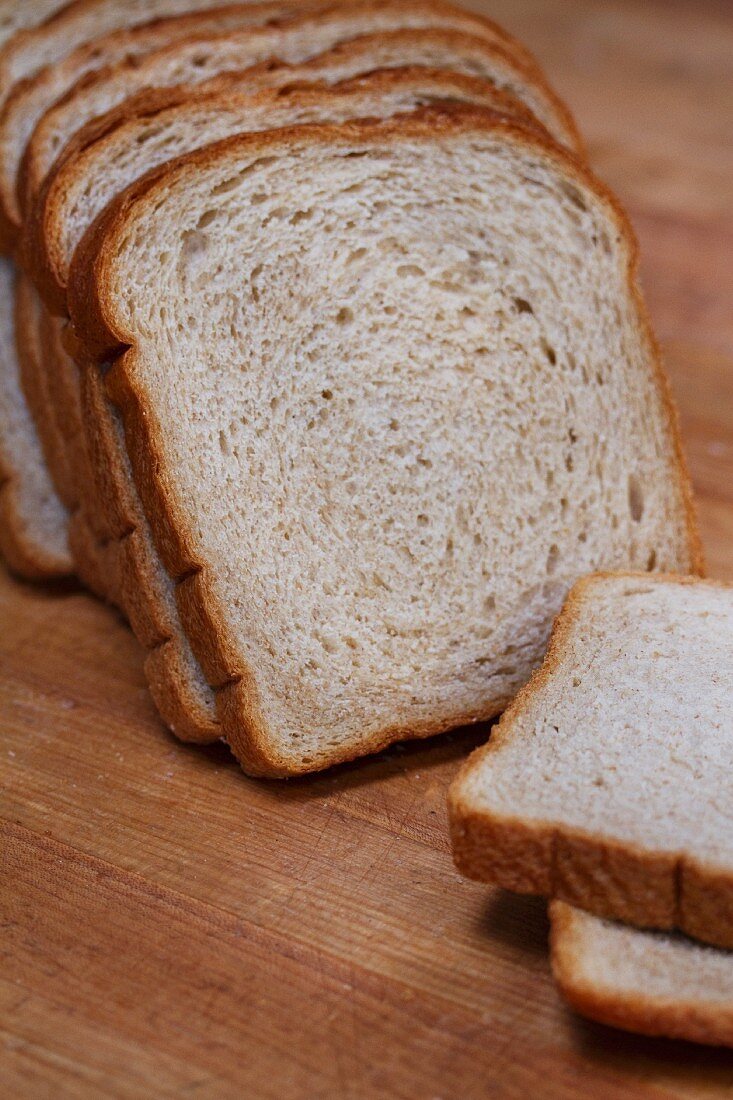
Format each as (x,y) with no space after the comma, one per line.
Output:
(144,592)
(655,983)
(607,783)
(392,286)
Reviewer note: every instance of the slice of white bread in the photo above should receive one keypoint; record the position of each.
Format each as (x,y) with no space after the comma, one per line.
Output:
(654,983)
(33,521)
(607,783)
(431,445)
(144,592)
(299,38)
(26,103)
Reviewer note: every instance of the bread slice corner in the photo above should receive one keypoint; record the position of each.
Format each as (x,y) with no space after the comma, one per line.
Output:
(652,983)
(605,783)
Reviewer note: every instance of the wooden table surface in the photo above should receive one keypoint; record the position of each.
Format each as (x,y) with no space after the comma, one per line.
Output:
(172,928)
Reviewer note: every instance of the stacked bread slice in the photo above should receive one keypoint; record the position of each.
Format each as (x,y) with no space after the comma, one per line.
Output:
(323,360)
(606,786)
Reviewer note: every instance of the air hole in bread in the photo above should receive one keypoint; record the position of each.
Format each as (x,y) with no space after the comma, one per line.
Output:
(552,559)
(636,498)
(574,195)
(651,561)
(549,351)
(523,306)
(233,182)
(256,272)
(406,270)
(195,243)
(344,316)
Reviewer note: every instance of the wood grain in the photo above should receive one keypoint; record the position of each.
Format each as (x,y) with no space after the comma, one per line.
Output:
(171,928)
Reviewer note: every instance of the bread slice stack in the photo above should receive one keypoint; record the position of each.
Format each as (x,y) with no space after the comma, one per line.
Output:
(323,360)
(606,786)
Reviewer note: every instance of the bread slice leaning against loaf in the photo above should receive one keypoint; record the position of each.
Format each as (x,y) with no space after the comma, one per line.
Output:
(144,589)
(607,783)
(369,539)
(654,983)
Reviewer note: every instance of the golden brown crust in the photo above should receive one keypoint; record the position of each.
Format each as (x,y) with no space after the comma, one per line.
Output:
(615,880)
(673,1018)
(136,577)
(100,336)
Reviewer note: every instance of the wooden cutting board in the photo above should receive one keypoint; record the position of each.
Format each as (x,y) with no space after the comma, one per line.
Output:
(172,928)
